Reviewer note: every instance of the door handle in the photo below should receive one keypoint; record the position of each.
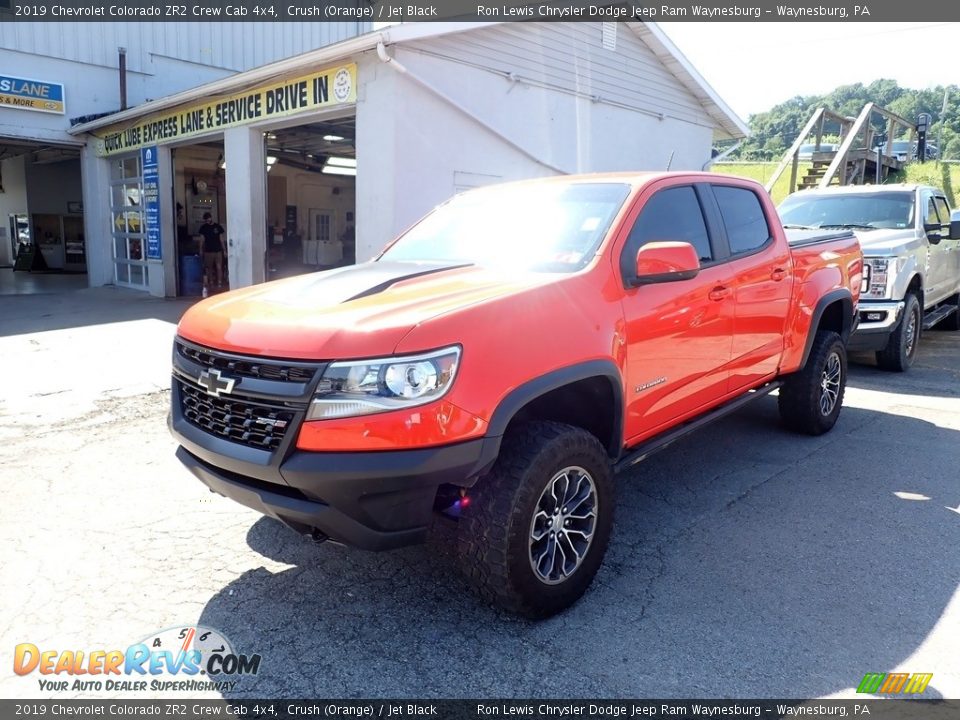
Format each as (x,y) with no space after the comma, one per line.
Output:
(719,293)
(778,274)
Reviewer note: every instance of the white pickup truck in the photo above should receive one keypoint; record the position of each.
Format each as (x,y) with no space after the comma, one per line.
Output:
(911,249)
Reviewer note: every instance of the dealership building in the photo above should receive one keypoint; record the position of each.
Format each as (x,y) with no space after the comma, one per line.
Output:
(320,158)
(56,74)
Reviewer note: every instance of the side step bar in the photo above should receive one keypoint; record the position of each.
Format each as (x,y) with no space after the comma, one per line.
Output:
(649,447)
(938,314)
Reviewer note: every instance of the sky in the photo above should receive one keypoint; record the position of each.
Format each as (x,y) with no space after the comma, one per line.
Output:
(755,65)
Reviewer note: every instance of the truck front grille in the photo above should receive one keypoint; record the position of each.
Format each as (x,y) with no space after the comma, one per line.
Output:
(239,420)
(248,367)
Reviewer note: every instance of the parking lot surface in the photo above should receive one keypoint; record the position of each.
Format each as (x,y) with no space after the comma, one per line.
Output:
(746,561)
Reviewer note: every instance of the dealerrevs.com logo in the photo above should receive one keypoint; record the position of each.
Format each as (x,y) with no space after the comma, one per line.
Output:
(190,658)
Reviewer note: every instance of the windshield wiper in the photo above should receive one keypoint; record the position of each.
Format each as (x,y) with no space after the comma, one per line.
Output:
(849,226)
(790,226)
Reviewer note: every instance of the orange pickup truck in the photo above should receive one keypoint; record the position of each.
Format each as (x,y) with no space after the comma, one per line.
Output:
(503,358)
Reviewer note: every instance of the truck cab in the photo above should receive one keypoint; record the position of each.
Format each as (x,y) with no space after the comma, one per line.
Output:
(911,253)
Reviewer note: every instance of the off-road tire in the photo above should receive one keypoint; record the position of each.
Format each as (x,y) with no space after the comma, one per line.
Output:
(901,350)
(494,536)
(952,321)
(802,395)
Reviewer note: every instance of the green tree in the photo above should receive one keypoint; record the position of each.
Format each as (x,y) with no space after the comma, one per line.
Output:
(774,131)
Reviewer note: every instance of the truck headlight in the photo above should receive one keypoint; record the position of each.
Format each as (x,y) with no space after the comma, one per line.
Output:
(883,271)
(363,387)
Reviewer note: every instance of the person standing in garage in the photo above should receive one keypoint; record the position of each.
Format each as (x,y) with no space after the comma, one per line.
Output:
(214,249)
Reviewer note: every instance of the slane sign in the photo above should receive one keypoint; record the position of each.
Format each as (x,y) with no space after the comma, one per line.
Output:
(29,94)
(279,99)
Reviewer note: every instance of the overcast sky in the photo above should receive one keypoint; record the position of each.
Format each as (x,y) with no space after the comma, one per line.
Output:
(753,66)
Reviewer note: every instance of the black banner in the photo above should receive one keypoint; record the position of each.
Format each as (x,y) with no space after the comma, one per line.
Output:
(868,707)
(268,11)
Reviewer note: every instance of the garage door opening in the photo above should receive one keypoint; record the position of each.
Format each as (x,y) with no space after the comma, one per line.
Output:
(311,197)
(199,189)
(41,214)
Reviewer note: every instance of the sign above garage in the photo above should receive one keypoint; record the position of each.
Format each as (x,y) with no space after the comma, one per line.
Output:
(27,94)
(280,99)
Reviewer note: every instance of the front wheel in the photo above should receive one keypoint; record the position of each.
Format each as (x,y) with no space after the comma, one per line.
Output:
(810,399)
(901,349)
(537,527)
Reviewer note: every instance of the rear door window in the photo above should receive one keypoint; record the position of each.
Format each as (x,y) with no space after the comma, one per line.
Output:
(743,218)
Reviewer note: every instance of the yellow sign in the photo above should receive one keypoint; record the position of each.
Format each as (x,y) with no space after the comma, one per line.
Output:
(329,87)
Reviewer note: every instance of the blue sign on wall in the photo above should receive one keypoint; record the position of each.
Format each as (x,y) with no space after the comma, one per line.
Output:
(29,94)
(151,200)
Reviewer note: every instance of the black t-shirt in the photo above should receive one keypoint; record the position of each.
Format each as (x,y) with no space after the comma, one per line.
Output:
(211,237)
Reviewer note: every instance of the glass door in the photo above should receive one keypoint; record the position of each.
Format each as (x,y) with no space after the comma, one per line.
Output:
(126,212)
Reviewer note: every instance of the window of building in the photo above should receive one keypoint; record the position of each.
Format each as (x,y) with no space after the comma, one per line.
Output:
(743,218)
(671,215)
(126,223)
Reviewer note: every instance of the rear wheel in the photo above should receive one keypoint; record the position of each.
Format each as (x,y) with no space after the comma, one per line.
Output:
(537,527)
(810,399)
(901,349)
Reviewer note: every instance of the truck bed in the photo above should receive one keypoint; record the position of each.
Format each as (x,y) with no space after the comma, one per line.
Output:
(800,238)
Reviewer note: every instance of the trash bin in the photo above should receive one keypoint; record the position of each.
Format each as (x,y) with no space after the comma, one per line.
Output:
(191,275)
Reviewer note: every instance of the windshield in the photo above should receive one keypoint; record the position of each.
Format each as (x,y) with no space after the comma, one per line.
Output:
(867,211)
(553,227)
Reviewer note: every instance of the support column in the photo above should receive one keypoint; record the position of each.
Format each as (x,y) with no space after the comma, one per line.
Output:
(163,272)
(246,206)
(95,178)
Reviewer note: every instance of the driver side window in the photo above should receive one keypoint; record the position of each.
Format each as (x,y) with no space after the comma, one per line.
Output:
(943,210)
(930,215)
(673,215)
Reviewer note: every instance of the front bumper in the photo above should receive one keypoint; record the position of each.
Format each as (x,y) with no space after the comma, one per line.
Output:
(878,320)
(373,501)
(242,444)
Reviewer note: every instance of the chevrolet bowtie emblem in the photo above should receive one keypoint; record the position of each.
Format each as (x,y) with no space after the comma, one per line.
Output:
(214,384)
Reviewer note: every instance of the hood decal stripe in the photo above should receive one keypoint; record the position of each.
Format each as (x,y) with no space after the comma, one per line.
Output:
(380,287)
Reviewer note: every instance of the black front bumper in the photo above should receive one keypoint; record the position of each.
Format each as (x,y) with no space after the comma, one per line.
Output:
(235,443)
(371,500)
(374,501)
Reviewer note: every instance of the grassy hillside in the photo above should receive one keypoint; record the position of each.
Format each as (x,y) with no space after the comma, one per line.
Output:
(943,175)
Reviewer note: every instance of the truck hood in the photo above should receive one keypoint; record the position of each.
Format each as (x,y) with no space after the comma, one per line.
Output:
(888,242)
(352,312)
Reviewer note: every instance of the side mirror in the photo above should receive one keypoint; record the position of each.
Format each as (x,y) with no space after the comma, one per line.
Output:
(933,232)
(955,225)
(659,262)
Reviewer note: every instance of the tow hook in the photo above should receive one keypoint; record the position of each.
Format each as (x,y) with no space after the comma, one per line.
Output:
(316,536)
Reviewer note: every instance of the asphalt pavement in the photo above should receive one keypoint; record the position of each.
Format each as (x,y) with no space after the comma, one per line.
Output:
(746,561)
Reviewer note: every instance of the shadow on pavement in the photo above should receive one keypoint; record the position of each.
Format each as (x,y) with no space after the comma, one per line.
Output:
(26,314)
(746,562)
(938,360)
